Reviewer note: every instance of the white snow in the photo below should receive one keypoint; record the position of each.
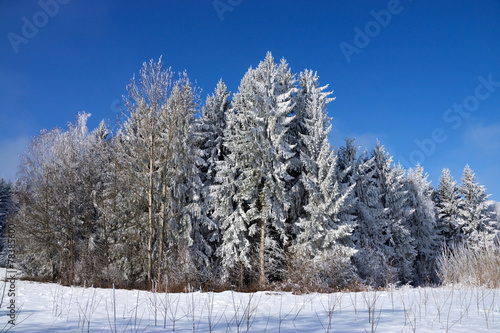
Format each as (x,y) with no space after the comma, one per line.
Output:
(49,307)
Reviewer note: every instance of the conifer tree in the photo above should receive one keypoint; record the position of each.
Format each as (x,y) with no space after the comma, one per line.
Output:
(320,228)
(212,125)
(422,224)
(477,224)
(371,235)
(348,164)
(386,247)
(259,158)
(448,205)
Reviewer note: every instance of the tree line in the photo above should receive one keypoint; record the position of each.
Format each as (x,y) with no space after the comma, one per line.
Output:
(244,192)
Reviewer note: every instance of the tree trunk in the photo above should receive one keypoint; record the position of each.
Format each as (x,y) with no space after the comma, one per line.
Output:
(162,226)
(262,272)
(150,219)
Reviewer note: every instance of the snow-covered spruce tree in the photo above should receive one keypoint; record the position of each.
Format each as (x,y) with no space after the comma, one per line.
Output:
(187,251)
(386,248)
(235,248)
(259,156)
(347,173)
(401,243)
(211,128)
(372,228)
(113,205)
(126,204)
(448,206)
(477,224)
(319,227)
(99,215)
(422,225)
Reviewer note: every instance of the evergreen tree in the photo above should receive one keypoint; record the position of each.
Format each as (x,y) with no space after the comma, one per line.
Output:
(188,229)
(259,156)
(386,248)
(320,228)
(448,206)
(400,244)
(371,233)
(477,223)
(422,224)
(212,125)
(347,173)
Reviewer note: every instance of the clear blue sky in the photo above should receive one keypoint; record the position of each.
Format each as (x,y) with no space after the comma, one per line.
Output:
(402,79)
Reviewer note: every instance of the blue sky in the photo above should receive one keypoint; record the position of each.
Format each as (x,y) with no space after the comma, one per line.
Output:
(423,77)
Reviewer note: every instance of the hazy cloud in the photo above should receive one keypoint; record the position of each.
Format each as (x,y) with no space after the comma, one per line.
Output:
(10,149)
(484,138)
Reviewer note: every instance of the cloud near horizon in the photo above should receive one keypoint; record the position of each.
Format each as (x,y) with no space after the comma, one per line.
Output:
(484,138)
(10,150)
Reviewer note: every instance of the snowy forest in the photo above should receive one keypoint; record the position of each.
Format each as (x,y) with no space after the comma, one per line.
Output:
(243,191)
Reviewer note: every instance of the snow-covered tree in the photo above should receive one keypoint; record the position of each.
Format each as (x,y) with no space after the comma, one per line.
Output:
(422,224)
(320,227)
(386,246)
(159,159)
(144,146)
(55,203)
(259,155)
(184,210)
(477,223)
(399,210)
(400,244)
(212,125)
(372,228)
(36,194)
(448,206)
(348,164)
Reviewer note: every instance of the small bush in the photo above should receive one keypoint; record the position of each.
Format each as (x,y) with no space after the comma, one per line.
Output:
(328,272)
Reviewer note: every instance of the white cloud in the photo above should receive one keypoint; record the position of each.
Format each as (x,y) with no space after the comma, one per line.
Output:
(484,138)
(10,149)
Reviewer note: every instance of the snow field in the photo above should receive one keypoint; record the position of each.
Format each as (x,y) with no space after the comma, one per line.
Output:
(53,308)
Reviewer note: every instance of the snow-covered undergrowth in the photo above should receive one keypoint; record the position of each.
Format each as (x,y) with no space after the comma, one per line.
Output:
(53,308)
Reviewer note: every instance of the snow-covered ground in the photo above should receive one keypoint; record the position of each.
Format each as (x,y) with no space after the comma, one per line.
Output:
(42,307)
